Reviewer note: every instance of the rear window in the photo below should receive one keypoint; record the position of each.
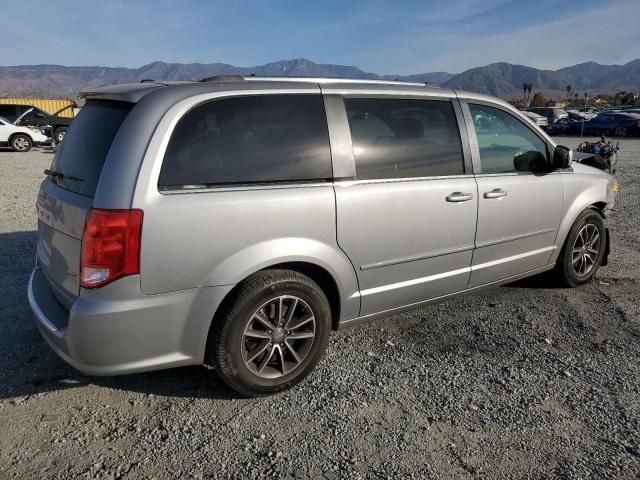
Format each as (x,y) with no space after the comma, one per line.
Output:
(252,139)
(86,145)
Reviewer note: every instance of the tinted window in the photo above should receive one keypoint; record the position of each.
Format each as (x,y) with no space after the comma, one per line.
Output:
(506,144)
(8,112)
(86,144)
(249,139)
(396,138)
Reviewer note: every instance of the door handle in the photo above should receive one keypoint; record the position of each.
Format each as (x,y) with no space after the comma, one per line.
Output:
(495,193)
(458,197)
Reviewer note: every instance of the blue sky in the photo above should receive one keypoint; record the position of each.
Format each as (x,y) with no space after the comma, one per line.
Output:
(378,36)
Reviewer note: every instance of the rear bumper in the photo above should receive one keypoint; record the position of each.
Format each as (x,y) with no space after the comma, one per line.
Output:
(101,335)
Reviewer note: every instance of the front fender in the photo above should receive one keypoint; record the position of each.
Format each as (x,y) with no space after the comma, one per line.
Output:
(259,256)
(577,198)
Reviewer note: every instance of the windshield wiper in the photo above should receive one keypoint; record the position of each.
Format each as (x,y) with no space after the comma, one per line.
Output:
(55,174)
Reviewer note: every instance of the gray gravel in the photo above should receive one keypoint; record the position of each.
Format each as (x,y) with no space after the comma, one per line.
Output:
(522,381)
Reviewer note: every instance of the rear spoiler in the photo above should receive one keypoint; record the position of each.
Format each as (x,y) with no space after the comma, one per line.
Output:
(128,92)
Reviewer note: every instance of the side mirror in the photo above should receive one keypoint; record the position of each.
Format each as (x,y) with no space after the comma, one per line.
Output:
(562,157)
(532,161)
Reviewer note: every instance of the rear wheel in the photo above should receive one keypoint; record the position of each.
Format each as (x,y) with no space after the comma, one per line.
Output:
(271,334)
(620,132)
(583,250)
(21,143)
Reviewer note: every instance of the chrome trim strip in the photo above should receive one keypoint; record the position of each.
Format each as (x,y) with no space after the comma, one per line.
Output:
(438,276)
(415,281)
(347,183)
(392,311)
(413,258)
(515,237)
(512,258)
(241,188)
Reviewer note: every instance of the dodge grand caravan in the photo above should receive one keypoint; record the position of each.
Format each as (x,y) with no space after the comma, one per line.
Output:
(238,221)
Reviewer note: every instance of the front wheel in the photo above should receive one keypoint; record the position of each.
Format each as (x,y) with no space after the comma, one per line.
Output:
(271,334)
(59,133)
(583,250)
(21,143)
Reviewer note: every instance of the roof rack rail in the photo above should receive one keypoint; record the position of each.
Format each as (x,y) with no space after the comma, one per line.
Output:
(335,80)
(147,80)
(223,78)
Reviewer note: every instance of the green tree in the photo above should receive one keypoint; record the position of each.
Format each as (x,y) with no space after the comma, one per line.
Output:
(524,93)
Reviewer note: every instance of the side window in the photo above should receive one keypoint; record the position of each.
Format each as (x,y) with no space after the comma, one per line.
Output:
(8,112)
(253,139)
(397,138)
(506,144)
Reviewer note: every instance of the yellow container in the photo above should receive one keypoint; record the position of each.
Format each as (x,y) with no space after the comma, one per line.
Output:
(48,105)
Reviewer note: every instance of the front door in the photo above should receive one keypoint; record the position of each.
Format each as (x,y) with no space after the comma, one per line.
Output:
(408,220)
(519,208)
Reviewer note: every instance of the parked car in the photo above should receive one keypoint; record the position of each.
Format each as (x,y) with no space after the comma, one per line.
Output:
(569,125)
(537,119)
(27,115)
(20,139)
(552,114)
(579,114)
(618,124)
(238,221)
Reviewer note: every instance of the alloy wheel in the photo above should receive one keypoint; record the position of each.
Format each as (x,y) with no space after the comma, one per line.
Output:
(586,248)
(278,337)
(21,144)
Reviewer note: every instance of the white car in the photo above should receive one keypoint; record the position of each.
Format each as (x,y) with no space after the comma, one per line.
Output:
(20,139)
(539,120)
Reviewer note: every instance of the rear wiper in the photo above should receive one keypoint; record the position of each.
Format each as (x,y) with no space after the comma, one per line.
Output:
(55,174)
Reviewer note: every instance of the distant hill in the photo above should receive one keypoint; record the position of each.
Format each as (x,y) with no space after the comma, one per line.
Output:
(505,80)
(500,79)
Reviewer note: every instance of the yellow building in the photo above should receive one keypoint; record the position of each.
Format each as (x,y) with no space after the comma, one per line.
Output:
(48,105)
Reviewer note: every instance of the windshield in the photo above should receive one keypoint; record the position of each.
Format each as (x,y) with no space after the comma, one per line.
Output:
(86,145)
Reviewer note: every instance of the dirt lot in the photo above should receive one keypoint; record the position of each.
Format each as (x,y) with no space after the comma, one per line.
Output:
(522,381)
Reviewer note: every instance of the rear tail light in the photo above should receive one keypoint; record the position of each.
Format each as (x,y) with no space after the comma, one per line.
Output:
(110,246)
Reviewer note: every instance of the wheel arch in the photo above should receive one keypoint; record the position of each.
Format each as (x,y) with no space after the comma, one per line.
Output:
(14,134)
(315,272)
(590,199)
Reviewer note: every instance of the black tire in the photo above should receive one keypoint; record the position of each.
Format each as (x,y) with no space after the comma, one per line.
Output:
(21,143)
(567,269)
(59,133)
(227,348)
(620,131)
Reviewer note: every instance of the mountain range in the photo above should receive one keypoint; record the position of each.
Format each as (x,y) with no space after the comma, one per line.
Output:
(500,79)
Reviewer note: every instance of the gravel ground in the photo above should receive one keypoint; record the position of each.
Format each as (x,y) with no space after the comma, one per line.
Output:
(522,381)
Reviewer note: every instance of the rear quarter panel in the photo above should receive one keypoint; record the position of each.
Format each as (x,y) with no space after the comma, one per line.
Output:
(220,236)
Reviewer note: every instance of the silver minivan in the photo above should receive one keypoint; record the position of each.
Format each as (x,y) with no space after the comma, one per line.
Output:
(238,221)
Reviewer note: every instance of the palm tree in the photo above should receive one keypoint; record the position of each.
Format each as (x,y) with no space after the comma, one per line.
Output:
(524,93)
(529,88)
(568,89)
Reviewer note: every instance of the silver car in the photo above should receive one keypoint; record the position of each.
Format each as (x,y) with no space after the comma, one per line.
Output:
(238,221)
